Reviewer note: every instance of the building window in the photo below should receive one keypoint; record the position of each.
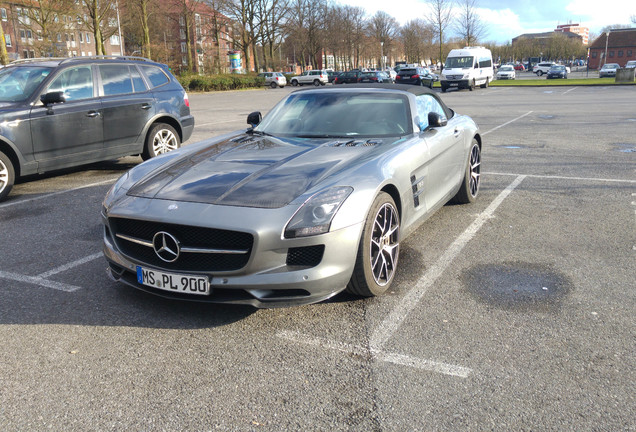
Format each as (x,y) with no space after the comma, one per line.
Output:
(184,60)
(611,54)
(184,48)
(114,40)
(39,33)
(81,38)
(182,33)
(3,13)
(22,35)
(629,53)
(88,38)
(7,39)
(181,20)
(29,34)
(593,54)
(620,53)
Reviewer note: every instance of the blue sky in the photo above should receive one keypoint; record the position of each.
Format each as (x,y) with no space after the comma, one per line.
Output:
(507,19)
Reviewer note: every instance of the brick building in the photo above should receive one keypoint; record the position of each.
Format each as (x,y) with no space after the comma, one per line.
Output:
(619,44)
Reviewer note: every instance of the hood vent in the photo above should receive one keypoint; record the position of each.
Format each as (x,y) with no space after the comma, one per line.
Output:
(355,143)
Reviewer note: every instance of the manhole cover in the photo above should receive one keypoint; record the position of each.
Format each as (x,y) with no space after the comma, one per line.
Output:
(517,286)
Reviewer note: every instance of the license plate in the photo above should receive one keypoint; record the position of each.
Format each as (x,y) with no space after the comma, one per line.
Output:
(453,84)
(175,282)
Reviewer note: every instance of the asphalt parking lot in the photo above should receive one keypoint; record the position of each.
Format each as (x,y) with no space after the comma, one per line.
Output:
(514,313)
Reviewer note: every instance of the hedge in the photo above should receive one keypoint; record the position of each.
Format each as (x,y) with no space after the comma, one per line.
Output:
(220,82)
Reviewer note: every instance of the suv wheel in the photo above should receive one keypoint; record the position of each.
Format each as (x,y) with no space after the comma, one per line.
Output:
(161,139)
(7,176)
(294,83)
(317,83)
(539,72)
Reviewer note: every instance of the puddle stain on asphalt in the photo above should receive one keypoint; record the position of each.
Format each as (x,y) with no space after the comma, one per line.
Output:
(518,286)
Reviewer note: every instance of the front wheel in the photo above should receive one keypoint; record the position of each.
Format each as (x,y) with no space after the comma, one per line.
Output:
(378,251)
(7,176)
(485,85)
(317,83)
(294,83)
(273,85)
(161,139)
(472,177)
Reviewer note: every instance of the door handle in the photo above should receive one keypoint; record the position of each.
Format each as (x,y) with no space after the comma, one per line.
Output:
(92,114)
(146,106)
(457,132)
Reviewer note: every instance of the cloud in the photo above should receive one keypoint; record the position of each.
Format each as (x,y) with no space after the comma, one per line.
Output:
(589,14)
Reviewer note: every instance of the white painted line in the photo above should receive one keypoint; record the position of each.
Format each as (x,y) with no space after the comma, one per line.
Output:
(12,203)
(218,122)
(562,177)
(573,88)
(507,123)
(399,359)
(34,280)
(70,265)
(395,319)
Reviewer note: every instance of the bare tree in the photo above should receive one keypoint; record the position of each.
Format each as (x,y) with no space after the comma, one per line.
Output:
(101,19)
(383,28)
(306,26)
(468,24)
(243,13)
(440,16)
(141,14)
(417,40)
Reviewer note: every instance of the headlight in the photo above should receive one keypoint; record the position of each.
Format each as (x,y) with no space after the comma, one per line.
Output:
(115,190)
(315,215)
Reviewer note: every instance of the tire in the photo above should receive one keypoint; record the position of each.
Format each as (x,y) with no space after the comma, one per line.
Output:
(471,86)
(469,189)
(7,176)
(273,85)
(294,83)
(379,249)
(317,83)
(539,73)
(444,89)
(485,85)
(161,139)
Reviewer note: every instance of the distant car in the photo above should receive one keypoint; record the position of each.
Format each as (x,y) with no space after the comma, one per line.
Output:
(274,79)
(350,77)
(608,70)
(542,68)
(374,77)
(630,64)
(520,67)
(557,71)
(391,73)
(417,76)
(506,72)
(313,199)
(61,113)
(331,75)
(315,77)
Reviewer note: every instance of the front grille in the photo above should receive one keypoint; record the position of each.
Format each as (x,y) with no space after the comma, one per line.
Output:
(189,237)
(308,256)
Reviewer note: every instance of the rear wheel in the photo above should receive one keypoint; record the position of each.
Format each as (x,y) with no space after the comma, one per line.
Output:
(273,85)
(317,83)
(7,176)
(485,85)
(470,185)
(539,72)
(379,249)
(161,139)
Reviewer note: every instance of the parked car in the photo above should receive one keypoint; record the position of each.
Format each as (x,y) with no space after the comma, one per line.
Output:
(630,64)
(506,72)
(415,75)
(350,77)
(60,113)
(313,199)
(374,77)
(520,67)
(274,79)
(331,75)
(557,71)
(391,73)
(542,68)
(608,70)
(315,77)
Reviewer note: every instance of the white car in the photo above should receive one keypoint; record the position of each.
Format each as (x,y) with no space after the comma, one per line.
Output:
(608,70)
(542,68)
(630,64)
(315,77)
(506,72)
(274,79)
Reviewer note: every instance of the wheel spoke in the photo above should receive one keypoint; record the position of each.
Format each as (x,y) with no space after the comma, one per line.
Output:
(384,245)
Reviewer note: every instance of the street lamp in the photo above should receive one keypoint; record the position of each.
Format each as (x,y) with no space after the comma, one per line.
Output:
(382,55)
(606,41)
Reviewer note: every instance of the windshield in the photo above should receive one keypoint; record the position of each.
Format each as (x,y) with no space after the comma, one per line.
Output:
(558,68)
(333,114)
(18,83)
(506,68)
(459,62)
(610,66)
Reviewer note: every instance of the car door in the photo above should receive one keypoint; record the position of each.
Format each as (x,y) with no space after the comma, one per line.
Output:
(68,133)
(127,105)
(445,152)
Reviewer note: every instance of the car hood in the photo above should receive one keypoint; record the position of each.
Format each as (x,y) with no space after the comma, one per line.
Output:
(251,171)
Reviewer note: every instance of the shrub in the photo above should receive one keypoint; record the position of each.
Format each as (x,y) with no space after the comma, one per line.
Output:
(220,82)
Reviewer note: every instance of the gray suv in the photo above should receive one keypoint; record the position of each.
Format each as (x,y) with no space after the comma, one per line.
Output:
(60,113)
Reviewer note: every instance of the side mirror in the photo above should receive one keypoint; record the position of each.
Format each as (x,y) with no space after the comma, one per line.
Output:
(254,119)
(476,66)
(436,120)
(53,98)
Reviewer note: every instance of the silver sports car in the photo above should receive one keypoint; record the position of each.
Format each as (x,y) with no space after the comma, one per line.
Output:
(311,200)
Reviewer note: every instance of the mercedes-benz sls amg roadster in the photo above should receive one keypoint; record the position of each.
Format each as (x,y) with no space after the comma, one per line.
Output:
(312,199)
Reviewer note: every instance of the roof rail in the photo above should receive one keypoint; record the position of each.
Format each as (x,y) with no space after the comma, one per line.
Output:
(105,57)
(37,59)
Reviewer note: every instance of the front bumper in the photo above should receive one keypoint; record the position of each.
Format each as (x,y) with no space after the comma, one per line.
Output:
(268,279)
(455,83)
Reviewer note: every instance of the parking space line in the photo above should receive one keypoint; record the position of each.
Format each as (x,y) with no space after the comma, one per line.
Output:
(70,265)
(507,123)
(35,280)
(399,359)
(563,177)
(12,203)
(399,314)
(573,88)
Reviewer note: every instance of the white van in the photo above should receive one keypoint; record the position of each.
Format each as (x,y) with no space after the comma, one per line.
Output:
(467,68)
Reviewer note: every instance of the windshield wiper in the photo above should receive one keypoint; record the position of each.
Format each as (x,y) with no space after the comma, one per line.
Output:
(259,133)
(319,136)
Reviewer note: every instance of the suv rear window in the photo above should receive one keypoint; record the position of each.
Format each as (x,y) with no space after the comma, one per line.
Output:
(155,75)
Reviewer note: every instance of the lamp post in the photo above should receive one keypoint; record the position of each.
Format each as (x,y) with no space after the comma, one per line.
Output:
(382,55)
(606,42)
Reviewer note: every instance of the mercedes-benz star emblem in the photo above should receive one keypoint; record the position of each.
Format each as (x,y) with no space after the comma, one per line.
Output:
(166,246)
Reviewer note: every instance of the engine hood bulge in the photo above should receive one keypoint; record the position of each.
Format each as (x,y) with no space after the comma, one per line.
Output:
(248,171)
